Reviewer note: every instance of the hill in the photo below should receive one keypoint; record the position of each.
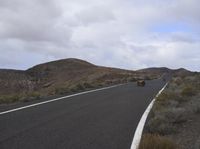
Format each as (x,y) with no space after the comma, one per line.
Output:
(58,77)
(162,70)
(65,77)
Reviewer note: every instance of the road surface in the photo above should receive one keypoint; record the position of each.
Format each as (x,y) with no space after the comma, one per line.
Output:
(104,119)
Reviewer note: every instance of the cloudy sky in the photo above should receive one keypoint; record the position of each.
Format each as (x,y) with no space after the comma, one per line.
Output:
(129,34)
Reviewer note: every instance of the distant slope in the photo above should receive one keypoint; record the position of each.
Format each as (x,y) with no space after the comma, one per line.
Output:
(161,70)
(182,72)
(155,70)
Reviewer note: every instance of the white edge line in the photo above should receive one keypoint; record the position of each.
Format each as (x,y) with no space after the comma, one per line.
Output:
(140,127)
(56,99)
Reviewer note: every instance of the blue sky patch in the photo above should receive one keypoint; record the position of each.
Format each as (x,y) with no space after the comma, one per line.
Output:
(171,27)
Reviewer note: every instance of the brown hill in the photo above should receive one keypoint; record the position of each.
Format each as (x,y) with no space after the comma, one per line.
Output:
(182,72)
(57,77)
(162,70)
(69,73)
(155,70)
(64,77)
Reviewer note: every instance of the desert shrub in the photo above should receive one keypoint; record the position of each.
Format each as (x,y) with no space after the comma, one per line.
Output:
(34,95)
(196,109)
(87,85)
(165,121)
(30,96)
(9,98)
(147,78)
(75,88)
(171,96)
(188,91)
(133,80)
(78,87)
(153,141)
(171,109)
(175,115)
(124,80)
(109,82)
(165,99)
(62,90)
(23,97)
(99,85)
(195,106)
(159,125)
(178,81)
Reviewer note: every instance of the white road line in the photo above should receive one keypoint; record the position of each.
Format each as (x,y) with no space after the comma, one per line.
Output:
(56,99)
(140,127)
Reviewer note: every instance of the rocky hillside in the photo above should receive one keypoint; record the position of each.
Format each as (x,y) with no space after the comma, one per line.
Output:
(15,81)
(57,77)
(64,77)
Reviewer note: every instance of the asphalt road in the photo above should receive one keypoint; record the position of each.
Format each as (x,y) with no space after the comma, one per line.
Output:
(104,119)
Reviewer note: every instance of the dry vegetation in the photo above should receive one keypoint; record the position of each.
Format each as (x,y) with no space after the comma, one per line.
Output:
(153,141)
(178,105)
(6,99)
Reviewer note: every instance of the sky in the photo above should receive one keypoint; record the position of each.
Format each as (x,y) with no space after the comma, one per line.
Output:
(128,34)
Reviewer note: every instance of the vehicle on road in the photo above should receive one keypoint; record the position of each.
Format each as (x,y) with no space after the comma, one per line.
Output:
(141,83)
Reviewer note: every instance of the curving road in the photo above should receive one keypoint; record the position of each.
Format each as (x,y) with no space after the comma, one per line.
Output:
(104,119)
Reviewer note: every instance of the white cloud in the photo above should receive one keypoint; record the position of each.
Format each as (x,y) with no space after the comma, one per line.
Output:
(129,34)
(95,14)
